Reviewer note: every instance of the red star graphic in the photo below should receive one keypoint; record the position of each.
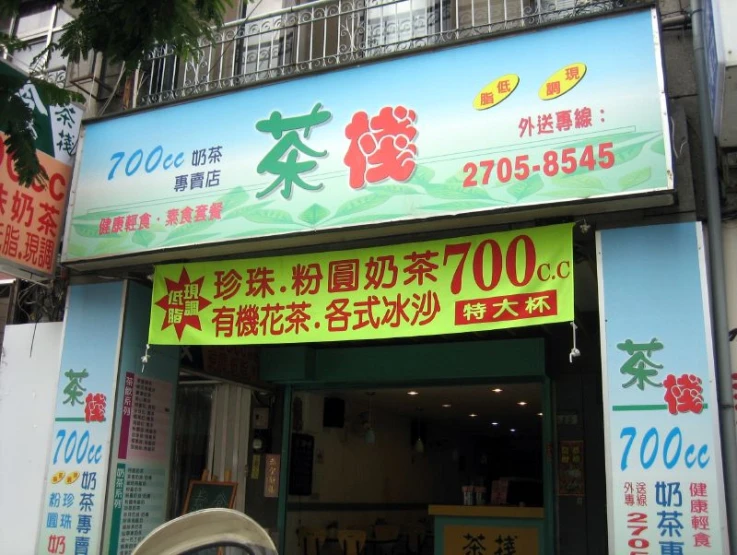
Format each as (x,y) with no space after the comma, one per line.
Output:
(175,305)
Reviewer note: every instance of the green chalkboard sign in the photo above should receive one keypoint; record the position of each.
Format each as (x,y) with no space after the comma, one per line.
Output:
(209,495)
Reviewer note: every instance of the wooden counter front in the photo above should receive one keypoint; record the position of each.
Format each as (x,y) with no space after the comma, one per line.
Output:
(488,529)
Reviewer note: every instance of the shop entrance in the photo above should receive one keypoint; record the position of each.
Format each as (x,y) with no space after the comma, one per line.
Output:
(418,469)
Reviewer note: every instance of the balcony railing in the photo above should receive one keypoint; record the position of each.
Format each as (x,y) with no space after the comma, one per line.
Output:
(328,33)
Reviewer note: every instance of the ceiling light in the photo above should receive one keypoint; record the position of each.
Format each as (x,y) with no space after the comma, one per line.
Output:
(473,415)
(413,393)
(446,405)
(495,423)
(522,403)
(497,390)
(539,414)
(512,430)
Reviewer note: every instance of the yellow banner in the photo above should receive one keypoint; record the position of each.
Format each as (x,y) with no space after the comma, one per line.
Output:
(491,281)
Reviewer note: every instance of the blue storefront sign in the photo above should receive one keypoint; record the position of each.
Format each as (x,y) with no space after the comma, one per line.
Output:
(664,469)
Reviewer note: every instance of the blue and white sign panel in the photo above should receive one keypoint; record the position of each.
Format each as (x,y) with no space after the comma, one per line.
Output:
(74,499)
(664,470)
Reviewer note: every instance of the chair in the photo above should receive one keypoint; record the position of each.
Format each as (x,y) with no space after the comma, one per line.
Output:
(206,528)
(385,538)
(415,538)
(386,532)
(352,541)
(310,540)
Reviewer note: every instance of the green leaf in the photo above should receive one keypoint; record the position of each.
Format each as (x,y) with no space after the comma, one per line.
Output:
(191,239)
(393,190)
(91,231)
(455,192)
(143,237)
(360,204)
(314,214)
(368,218)
(268,216)
(75,250)
(583,181)
(526,188)
(572,194)
(624,154)
(110,246)
(658,147)
(464,205)
(260,232)
(233,198)
(188,229)
(422,174)
(635,178)
(99,215)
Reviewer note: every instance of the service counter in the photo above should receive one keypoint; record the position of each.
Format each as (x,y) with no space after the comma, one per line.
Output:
(488,529)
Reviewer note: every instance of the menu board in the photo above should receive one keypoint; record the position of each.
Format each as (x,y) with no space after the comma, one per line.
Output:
(143,458)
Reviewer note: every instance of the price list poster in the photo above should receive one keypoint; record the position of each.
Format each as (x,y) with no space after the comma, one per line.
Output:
(139,478)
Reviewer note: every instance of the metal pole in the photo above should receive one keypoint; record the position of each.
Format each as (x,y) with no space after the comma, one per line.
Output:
(718,287)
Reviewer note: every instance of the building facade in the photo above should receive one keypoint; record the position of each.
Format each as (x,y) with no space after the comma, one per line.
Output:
(431,277)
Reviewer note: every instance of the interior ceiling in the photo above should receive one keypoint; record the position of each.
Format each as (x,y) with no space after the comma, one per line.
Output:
(502,408)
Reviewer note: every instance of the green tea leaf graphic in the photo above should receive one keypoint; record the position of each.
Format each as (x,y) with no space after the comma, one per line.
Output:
(635,178)
(368,218)
(422,174)
(269,216)
(96,216)
(91,231)
(526,188)
(75,250)
(110,246)
(233,198)
(455,192)
(188,229)
(259,232)
(314,214)
(191,239)
(582,181)
(658,147)
(143,237)
(570,193)
(624,154)
(360,204)
(392,190)
(463,206)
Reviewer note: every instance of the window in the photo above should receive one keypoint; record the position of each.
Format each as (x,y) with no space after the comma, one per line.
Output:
(38,25)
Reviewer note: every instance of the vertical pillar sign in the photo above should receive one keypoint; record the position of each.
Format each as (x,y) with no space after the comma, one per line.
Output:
(74,498)
(664,469)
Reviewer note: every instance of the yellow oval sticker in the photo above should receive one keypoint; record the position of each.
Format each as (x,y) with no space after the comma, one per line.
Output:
(496,91)
(562,81)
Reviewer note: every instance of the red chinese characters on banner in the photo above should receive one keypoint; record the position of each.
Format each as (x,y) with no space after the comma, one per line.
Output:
(183,303)
(506,308)
(94,407)
(382,147)
(31,218)
(556,122)
(684,393)
(340,276)
(700,525)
